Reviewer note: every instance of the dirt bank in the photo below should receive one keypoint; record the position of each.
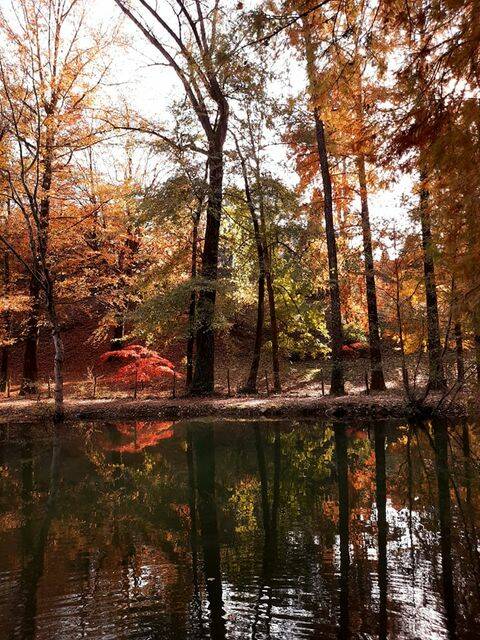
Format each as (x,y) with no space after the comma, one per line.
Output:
(376,406)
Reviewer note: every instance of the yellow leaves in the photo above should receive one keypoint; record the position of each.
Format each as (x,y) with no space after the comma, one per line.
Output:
(14,303)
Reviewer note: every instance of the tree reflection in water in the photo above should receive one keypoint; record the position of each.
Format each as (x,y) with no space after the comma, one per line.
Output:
(239,530)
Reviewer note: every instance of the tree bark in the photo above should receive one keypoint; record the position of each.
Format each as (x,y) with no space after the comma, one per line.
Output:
(476,339)
(435,365)
(267,262)
(116,342)
(30,357)
(277,383)
(377,378)
(459,353)
(4,360)
(203,381)
(192,308)
(251,383)
(59,357)
(337,385)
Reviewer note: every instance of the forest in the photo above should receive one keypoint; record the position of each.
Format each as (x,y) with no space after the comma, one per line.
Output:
(209,196)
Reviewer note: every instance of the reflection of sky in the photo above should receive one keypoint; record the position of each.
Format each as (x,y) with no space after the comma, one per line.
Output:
(414,606)
(127,573)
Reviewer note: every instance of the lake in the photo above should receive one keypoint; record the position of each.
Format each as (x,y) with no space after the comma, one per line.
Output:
(208,529)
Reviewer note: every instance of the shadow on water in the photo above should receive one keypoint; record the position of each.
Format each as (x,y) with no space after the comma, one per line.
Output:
(203,440)
(382,526)
(341,447)
(34,536)
(441,443)
(240,531)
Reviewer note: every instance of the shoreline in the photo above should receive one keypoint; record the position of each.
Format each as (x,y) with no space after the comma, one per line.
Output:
(381,405)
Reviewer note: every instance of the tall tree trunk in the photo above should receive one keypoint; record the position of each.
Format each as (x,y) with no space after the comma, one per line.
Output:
(459,353)
(192,308)
(203,382)
(59,413)
(29,380)
(337,385)
(251,383)
(398,309)
(435,365)
(476,339)
(47,278)
(267,263)
(377,377)
(4,359)
(277,383)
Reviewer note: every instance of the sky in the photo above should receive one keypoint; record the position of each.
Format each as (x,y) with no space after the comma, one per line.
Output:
(149,87)
(152,88)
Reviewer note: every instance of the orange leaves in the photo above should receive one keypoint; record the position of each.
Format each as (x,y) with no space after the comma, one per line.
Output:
(144,370)
(138,364)
(132,353)
(141,435)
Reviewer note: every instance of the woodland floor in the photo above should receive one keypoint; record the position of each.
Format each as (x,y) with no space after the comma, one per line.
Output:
(288,405)
(301,382)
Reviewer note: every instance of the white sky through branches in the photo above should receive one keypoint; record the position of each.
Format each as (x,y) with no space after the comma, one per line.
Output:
(141,80)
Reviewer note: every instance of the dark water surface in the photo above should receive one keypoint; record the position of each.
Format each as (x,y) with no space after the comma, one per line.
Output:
(279,530)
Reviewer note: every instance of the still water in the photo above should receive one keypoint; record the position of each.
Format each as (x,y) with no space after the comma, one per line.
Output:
(281,530)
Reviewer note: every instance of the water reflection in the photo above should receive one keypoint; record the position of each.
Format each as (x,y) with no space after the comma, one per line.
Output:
(239,530)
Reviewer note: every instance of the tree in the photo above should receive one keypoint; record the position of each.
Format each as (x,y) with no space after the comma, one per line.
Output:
(337,386)
(197,59)
(47,96)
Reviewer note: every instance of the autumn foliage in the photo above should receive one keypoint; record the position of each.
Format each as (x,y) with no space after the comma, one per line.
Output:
(135,363)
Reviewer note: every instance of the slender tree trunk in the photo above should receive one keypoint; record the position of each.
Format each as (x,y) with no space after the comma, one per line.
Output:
(435,365)
(251,383)
(4,359)
(4,363)
(30,357)
(59,356)
(192,308)
(47,279)
(203,382)
(267,262)
(116,342)
(377,379)
(277,384)
(337,386)
(398,309)
(459,353)
(476,339)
